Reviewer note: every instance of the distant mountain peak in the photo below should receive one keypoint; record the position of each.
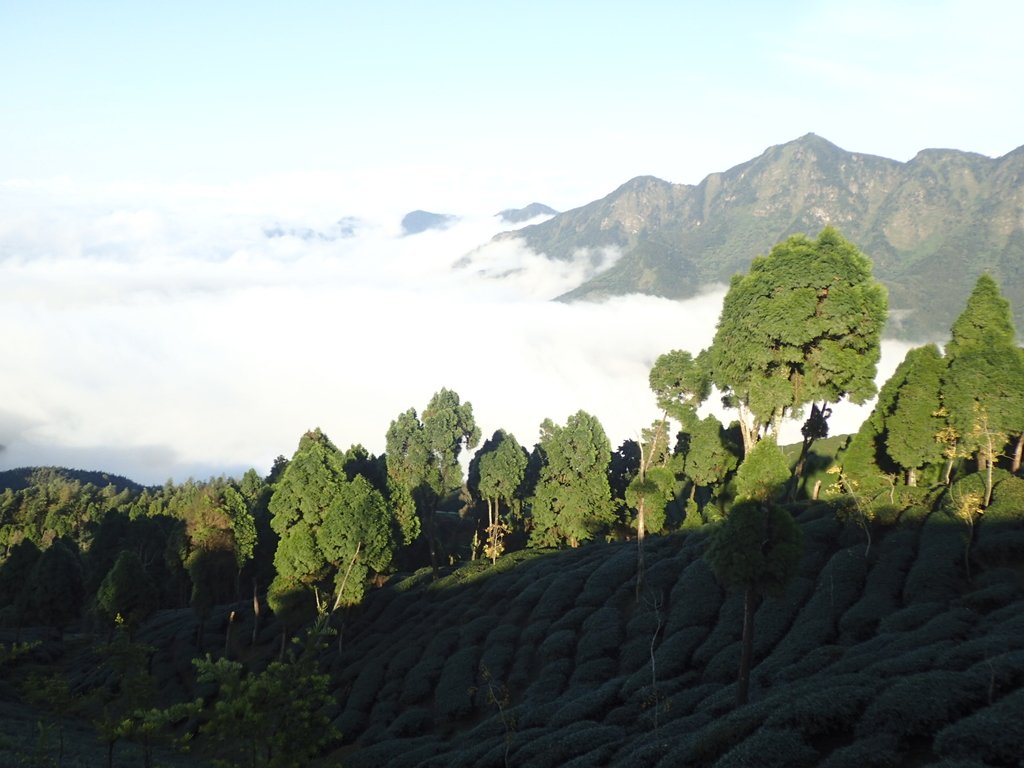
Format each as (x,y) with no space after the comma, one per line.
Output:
(946,212)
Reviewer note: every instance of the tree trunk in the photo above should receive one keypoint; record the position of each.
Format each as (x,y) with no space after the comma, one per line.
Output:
(344,580)
(1018,454)
(432,542)
(911,477)
(255,611)
(747,653)
(227,634)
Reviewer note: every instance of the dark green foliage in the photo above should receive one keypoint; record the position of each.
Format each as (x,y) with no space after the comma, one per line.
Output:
(916,705)
(994,734)
(454,695)
(15,572)
(696,579)
(555,749)
(938,570)
(560,644)
(803,325)
(883,587)
(55,587)
(572,501)
(912,424)
(763,474)
(771,747)
(127,593)
(880,750)
(756,546)
(839,585)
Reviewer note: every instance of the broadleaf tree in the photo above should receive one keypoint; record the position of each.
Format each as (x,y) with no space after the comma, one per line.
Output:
(756,549)
(801,327)
(572,501)
(423,461)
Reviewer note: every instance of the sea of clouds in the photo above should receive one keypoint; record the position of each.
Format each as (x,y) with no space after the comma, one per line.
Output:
(195,333)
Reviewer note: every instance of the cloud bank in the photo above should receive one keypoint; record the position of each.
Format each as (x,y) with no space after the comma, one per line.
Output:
(166,341)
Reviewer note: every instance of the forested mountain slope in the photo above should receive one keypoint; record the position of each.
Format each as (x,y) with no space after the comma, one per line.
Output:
(930,225)
(880,655)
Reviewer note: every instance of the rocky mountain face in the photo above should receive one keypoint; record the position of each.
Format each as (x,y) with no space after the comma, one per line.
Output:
(930,225)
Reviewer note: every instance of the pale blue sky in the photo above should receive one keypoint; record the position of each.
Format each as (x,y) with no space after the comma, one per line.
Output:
(558,101)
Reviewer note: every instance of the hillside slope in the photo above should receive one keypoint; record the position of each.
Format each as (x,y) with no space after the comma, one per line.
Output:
(881,657)
(931,225)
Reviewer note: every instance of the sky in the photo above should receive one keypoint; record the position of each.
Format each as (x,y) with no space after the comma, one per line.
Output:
(151,328)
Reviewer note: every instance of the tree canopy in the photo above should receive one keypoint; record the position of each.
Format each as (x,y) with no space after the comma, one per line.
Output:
(803,325)
(572,501)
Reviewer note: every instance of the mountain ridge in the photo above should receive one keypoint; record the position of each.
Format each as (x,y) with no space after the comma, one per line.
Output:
(944,212)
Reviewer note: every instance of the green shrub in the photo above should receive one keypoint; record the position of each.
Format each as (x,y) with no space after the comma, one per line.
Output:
(919,704)
(592,705)
(912,617)
(616,571)
(555,748)
(728,629)
(813,661)
(551,682)
(559,597)
(496,659)
(421,680)
(724,665)
(602,635)
(672,656)
(881,750)
(475,631)
(826,710)
(937,571)
(634,655)
(838,587)
(769,747)
(559,645)
(903,661)
(365,688)
(386,753)
(453,696)
(594,671)
(695,599)
(573,619)
(883,585)
(994,734)
(535,633)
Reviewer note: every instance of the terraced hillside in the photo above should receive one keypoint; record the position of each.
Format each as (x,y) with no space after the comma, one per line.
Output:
(880,655)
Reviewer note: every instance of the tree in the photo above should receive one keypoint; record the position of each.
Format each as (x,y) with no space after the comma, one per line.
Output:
(680,383)
(355,538)
(757,549)
(572,501)
(332,529)
(710,454)
(983,386)
(423,460)
(802,326)
(913,422)
(56,586)
(127,592)
(15,572)
(654,485)
(274,718)
(501,467)
(763,474)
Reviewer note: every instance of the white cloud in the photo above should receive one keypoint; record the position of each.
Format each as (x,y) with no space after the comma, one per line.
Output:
(154,343)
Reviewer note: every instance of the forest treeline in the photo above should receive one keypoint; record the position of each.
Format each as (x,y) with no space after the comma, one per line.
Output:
(798,334)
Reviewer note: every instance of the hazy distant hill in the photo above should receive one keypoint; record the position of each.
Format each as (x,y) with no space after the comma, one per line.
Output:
(415,222)
(532,211)
(930,225)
